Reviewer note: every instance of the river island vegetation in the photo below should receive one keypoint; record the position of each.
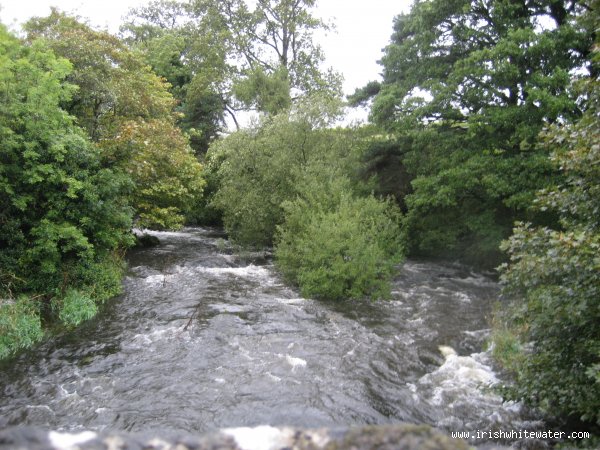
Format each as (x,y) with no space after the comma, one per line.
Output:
(482,147)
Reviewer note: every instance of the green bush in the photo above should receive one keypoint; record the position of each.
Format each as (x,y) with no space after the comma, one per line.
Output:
(64,214)
(554,275)
(101,278)
(74,308)
(20,325)
(348,250)
(260,168)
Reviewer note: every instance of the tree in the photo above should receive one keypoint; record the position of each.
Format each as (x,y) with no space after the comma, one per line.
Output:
(128,111)
(275,41)
(232,57)
(337,245)
(293,182)
(167,175)
(63,222)
(467,87)
(114,84)
(259,168)
(190,50)
(553,274)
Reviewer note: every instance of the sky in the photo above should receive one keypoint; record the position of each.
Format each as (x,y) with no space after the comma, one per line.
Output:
(362,29)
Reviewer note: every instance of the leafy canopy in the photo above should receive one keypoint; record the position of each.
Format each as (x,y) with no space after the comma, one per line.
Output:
(467,87)
(555,275)
(128,111)
(63,219)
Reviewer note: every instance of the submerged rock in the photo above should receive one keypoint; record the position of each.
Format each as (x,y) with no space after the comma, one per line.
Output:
(146,240)
(387,437)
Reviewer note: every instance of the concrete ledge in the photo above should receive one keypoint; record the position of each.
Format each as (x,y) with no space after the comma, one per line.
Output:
(388,437)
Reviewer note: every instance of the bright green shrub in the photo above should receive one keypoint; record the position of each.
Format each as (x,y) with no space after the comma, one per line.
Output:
(292,182)
(346,250)
(257,174)
(75,307)
(20,325)
(260,168)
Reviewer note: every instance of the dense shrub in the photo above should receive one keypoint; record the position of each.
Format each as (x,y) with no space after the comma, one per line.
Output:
(75,307)
(128,111)
(295,183)
(20,325)
(64,216)
(554,275)
(261,167)
(167,176)
(343,247)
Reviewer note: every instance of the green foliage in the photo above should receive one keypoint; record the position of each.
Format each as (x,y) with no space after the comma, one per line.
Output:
(20,325)
(293,182)
(59,203)
(337,246)
(256,176)
(63,214)
(554,275)
(188,45)
(101,279)
(114,84)
(167,175)
(467,88)
(128,110)
(75,307)
(268,92)
(260,168)
(225,56)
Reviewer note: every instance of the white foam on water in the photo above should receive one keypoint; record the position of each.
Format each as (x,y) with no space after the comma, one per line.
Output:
(66,394)
(462,297)
(67,441)
(39,407)
(145,340)
(416,321)
(351,352)
(461,378)
(228,308)
(478,280)
(273,377)
(250,271)
(291,301)
(295,362)
(156,233)
(261,438)
(447,351)
(404,339)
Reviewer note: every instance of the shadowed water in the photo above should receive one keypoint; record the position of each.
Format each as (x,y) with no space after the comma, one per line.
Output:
(203,339)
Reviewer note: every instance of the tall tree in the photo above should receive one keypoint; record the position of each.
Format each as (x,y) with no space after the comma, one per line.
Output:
(554,274)
(468,85)
(232,57)
(118,93)
(275,40)
(63,217)
(190,49)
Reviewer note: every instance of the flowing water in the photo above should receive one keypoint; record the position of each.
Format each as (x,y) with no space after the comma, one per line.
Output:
(204,339)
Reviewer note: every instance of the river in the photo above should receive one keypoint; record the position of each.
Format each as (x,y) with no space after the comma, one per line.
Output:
(203,338)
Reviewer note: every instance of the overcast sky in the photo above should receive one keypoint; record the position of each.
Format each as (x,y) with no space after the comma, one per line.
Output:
(363,27)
